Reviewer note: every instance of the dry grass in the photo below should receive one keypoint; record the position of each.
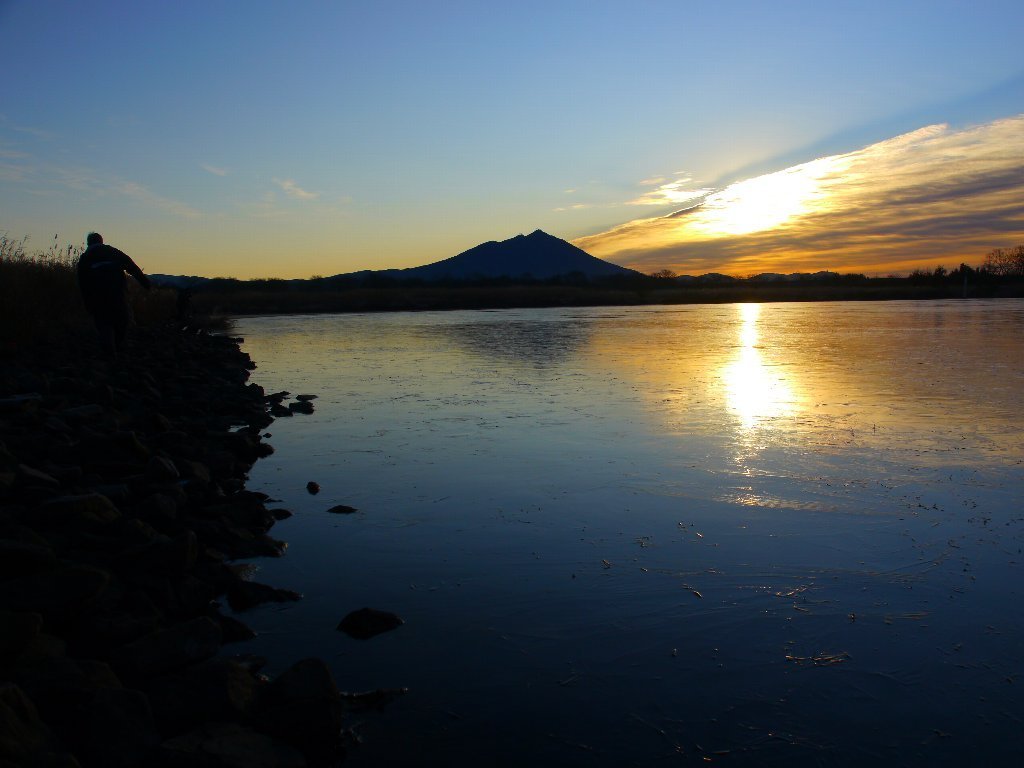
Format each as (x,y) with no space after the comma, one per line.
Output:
(40,301)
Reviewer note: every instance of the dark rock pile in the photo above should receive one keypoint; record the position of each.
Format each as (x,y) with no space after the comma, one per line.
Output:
(122,513)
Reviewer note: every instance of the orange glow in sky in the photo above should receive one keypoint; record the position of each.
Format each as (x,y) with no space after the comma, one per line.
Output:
(932,196)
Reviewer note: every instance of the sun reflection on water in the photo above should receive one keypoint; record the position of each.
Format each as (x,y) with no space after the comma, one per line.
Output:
(755,391)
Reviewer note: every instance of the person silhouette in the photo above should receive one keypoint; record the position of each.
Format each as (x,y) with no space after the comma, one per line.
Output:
(101,279)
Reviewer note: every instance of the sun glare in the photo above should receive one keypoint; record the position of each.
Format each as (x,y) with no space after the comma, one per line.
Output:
(767,202)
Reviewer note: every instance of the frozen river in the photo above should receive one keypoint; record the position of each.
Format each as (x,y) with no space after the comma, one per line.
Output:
(739,534)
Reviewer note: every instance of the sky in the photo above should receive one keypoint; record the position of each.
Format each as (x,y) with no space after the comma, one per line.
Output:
(270,139)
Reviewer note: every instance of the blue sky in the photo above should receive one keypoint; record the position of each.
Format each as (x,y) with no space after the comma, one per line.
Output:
(272,139)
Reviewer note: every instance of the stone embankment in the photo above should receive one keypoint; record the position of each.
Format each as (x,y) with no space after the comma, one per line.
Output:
(123,515)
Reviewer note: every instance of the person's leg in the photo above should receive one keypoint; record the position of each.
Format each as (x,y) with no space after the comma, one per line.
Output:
(120,331)
(106,335)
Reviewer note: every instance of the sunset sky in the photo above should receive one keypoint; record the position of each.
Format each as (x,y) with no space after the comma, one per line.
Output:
(259,139)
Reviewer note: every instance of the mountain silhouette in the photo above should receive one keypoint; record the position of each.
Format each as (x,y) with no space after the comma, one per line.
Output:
(539,256)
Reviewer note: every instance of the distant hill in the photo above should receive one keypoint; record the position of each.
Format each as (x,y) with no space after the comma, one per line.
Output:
(177,281)
(539,256)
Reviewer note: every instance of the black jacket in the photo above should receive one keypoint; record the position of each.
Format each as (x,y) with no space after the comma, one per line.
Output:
(101,277)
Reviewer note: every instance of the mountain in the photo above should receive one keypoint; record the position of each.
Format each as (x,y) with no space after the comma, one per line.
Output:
(177,281)
(538,255)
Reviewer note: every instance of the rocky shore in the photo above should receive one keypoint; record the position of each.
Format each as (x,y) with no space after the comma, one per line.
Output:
(123,515)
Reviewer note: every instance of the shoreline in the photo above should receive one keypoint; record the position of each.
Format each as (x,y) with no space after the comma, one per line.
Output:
(252,300)
(123,515)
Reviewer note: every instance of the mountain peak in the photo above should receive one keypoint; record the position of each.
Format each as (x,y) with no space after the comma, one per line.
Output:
(539,256)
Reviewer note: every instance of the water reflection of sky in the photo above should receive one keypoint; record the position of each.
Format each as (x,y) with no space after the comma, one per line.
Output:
(544,493)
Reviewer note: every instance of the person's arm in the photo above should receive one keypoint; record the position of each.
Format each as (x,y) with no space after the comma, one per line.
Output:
(133,269)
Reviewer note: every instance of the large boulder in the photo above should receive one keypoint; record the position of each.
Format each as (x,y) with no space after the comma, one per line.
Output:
(216,690)
(171,649)
(303,707)
(118,730)
(24,739)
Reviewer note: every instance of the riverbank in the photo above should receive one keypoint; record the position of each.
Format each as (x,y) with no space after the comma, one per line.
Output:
(269,297)
(123,523)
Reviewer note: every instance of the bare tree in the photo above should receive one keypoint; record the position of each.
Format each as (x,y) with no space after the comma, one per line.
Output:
(1006,262)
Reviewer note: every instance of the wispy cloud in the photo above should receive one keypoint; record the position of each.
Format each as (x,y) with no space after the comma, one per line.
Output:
(215,170)
(931,196)
(665,192)
(39,133)
(48,179)
(293,190)
(10,172)
(140,193)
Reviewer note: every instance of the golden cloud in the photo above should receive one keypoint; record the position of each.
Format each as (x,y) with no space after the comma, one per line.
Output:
(932,196)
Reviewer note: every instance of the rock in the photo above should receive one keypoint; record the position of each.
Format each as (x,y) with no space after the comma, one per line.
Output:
(303,406)
(235,542)
(65,693)
(67,474)
(218,690)
(247,445)
(89,510)
(52,681)
(248,594)
(305,679)
(30,476)
(227,745)
(20,558)
(122,500)
(18,631)
(117,729)
(303,398)
(313,488)
(171,649)
(194,470)
(55,424)
(232,630)
(80,413)
(160,511)
(280,514)
(304,708)
(342,509)
(59,595)
(172,490)
(161,469)
(164,555)
(43,648)
(136,617)
(21,731)
(16,403)
(118,493)
(368,622)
